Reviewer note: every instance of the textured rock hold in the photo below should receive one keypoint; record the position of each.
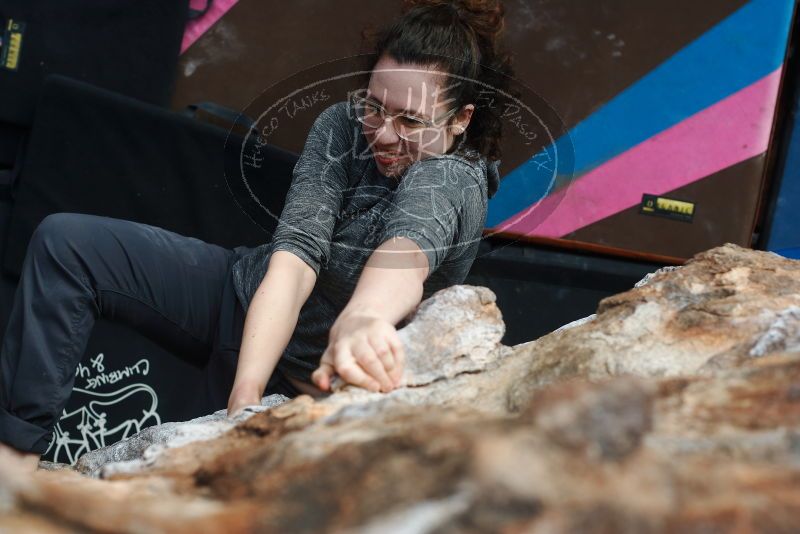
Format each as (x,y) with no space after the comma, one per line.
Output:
(783,334)
(455,331)
(134,453)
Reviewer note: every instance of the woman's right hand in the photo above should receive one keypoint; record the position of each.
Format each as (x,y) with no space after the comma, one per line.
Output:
(270,320)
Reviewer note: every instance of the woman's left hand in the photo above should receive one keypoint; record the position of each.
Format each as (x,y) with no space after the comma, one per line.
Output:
(364,350)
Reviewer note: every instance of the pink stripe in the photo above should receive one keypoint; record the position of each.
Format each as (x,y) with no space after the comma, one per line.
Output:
(728,132)
(198,27)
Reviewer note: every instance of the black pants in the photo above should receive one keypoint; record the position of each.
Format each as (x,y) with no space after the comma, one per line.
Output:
(175,290)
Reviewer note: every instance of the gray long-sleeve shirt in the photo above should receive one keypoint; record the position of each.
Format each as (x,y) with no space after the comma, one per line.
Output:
(339,208)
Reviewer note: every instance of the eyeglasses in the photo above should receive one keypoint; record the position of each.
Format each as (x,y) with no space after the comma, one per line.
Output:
(414,129)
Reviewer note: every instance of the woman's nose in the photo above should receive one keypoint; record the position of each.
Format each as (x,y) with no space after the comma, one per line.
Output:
(386,134)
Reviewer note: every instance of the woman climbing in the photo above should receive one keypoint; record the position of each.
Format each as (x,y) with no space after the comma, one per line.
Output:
(345,265)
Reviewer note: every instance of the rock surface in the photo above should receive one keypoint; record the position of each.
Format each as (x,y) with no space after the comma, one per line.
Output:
(676,408)
(139,451)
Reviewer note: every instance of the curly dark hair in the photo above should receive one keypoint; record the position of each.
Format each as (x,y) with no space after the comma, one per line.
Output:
(460,37)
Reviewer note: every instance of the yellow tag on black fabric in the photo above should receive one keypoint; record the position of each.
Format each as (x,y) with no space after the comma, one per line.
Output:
(12,44)
(680,210)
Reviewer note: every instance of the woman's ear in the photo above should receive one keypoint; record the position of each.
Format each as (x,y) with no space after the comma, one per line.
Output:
(461,120)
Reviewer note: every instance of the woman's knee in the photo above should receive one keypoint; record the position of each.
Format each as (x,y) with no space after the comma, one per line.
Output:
(61,232)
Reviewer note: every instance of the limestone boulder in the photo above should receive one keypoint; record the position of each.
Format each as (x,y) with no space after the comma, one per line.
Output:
(675,408)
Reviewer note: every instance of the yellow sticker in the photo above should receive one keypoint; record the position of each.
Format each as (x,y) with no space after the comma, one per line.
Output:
(12,44)
(672,208)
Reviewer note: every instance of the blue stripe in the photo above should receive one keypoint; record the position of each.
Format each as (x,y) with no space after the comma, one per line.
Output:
(784,230)
(791,253)
(738,51)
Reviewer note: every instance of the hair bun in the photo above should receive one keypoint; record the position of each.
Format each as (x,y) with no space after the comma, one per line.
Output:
(484,16)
